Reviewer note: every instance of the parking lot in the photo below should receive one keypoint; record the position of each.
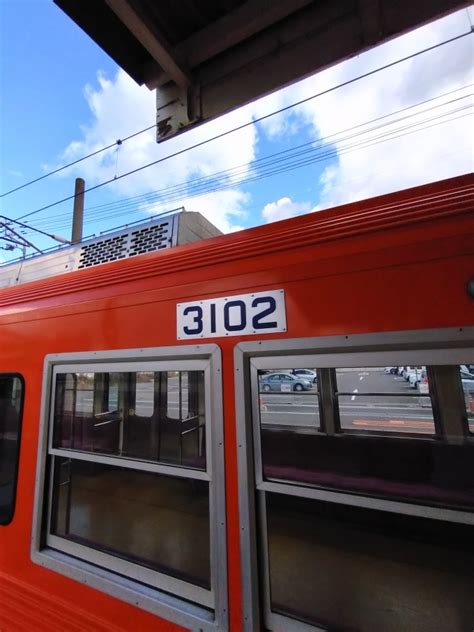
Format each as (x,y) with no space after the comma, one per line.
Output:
(368,399)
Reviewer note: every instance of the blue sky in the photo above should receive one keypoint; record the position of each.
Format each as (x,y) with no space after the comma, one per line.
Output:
(61,97)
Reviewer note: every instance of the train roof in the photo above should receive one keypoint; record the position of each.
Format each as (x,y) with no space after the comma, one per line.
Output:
(448,199)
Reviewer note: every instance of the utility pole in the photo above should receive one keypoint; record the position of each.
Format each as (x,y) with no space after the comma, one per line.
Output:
(78,213)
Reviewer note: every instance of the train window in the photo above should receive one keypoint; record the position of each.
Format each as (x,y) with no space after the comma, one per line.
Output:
(157,416)
(363,510)
(11,403)
(174,541)
(342,567)
(354,444)
(384,400)
(134,474)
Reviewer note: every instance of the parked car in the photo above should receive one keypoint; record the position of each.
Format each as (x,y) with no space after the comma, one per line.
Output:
(305,374)
(414,375)
(393,370)
(409,370)
(283,382)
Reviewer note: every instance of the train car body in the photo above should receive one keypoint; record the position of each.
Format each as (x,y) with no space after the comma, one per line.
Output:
(157,474)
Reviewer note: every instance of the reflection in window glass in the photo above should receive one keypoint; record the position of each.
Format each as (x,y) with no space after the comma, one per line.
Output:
(85,392)
(144,396)
(466,373)
(179,396)
(378,399)
(11,399)
(113,391)
(128,414)
(160,522)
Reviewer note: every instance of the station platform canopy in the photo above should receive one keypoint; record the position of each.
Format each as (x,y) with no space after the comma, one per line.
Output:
(207,57)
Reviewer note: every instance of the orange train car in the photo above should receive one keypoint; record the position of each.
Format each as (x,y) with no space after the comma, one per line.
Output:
(268,430)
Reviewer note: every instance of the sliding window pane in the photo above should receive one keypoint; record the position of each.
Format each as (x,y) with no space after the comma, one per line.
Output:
(348,568)
(160,522)
(379,399)
(155,416)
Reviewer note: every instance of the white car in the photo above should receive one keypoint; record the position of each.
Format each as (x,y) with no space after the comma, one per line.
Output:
(415,375)
(305,374)
(412,370)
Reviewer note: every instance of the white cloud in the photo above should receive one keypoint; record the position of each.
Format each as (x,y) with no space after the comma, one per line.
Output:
(120,108)
(283,209)
(443,150)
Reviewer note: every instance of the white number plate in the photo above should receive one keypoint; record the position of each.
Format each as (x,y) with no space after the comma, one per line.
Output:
(258,313)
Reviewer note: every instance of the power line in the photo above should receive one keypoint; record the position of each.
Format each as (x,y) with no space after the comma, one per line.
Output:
(117,144)
(32,228)
(332,138)
(330,153)
(257,120)
(299,160)
(236,175)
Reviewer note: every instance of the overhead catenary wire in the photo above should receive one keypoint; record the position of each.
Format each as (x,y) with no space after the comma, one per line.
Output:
(296,161)
(303,154)
(330,153)
(116,144)
(275,157)
(254,121)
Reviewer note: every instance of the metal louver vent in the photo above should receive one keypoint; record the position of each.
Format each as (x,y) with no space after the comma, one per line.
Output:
(123,243)
(127,244)
(102,251)
(149,239)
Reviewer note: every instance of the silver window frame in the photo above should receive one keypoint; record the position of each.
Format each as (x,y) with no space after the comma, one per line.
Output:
(169,598)
(427,347)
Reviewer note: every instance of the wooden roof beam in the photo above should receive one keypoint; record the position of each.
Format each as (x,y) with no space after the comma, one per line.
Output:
(155,43)
(247,20)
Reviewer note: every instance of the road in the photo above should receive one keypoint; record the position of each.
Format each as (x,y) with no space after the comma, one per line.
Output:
(396,407)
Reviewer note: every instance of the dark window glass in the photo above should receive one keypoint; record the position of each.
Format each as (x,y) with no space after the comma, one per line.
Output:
(154,416)
(424,471)
(347,568)
(11,402)
(157,521)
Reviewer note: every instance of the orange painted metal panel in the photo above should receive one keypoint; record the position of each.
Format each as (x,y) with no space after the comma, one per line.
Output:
(397,262)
